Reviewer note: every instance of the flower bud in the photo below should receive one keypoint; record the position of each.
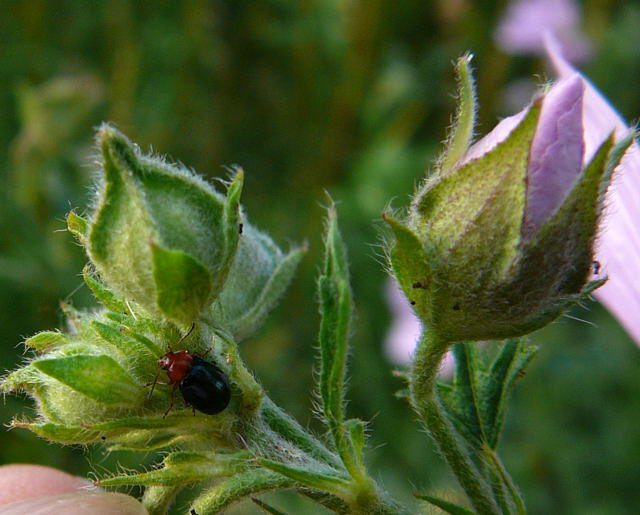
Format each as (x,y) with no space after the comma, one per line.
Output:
(159,235)
(499,241)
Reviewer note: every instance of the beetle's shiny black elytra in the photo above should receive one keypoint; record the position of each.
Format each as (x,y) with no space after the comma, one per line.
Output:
(204,386)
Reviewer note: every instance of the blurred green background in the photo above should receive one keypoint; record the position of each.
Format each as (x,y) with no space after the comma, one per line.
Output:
(351,97)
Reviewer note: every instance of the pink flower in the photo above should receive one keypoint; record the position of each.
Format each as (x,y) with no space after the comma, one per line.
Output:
(574,121)
(618,248)
(405,330)
(557,150)
(522,29)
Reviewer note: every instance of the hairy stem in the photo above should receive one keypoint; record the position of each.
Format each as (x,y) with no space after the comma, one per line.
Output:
(424,398)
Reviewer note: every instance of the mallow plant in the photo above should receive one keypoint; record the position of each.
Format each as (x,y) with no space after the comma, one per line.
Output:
(497,242)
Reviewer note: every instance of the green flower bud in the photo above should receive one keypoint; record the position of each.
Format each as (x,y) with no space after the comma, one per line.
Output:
(259,275)
(159,235)
(499,241)
(92,384)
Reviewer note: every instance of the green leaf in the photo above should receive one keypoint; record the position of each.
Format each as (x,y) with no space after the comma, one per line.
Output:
(336,309)
(507,368)
(183,285)
(477,401)
(468,394)
(290,429)
(462,132)
(238,487)
(446,506)
(100,378)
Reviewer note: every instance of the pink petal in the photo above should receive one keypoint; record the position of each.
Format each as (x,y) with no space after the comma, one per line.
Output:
(618,248)
(494,138)
(405,329)
(557,151)
(522,28)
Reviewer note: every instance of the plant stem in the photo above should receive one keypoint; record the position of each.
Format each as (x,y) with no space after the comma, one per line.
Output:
(508,481)
(424,398)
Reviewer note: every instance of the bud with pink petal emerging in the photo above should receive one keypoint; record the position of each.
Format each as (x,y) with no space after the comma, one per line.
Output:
(498,242)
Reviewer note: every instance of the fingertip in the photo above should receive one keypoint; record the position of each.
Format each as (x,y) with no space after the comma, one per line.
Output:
(78,503)
(20,481)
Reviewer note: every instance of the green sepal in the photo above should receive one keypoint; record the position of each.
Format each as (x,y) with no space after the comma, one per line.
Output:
(446,211)
(100,378)
(46,339)
(158,499)
(446,506)
(183,285)
(563,248)
(309,476)
(483,199)
(129,342)
(232,226)
(59,432)
(105,296)
(259,275)
(357,430)
(411,266)
(183,467)
(267,507)
(239,486)
(77,226)
(461,134)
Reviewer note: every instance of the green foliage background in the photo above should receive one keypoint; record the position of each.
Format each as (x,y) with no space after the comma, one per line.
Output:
(308,96)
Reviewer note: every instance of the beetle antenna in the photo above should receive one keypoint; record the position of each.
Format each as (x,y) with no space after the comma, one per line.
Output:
(153,385)
(193,325)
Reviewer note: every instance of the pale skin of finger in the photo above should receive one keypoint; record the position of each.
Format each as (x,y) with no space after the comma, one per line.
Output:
(34,489)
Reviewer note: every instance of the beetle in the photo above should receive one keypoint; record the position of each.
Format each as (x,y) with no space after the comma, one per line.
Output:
(203,386)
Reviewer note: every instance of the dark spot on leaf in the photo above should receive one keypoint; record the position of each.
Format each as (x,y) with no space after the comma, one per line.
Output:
(456,307)
(240,228)
(418,284)
(412,302)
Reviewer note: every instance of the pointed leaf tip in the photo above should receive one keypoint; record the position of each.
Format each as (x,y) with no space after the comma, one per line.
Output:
(461,133)
(183,284)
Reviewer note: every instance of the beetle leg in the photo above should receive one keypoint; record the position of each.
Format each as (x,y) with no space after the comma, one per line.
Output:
(173,391)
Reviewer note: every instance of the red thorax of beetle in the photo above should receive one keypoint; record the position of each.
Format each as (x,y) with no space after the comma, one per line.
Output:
(177,365)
